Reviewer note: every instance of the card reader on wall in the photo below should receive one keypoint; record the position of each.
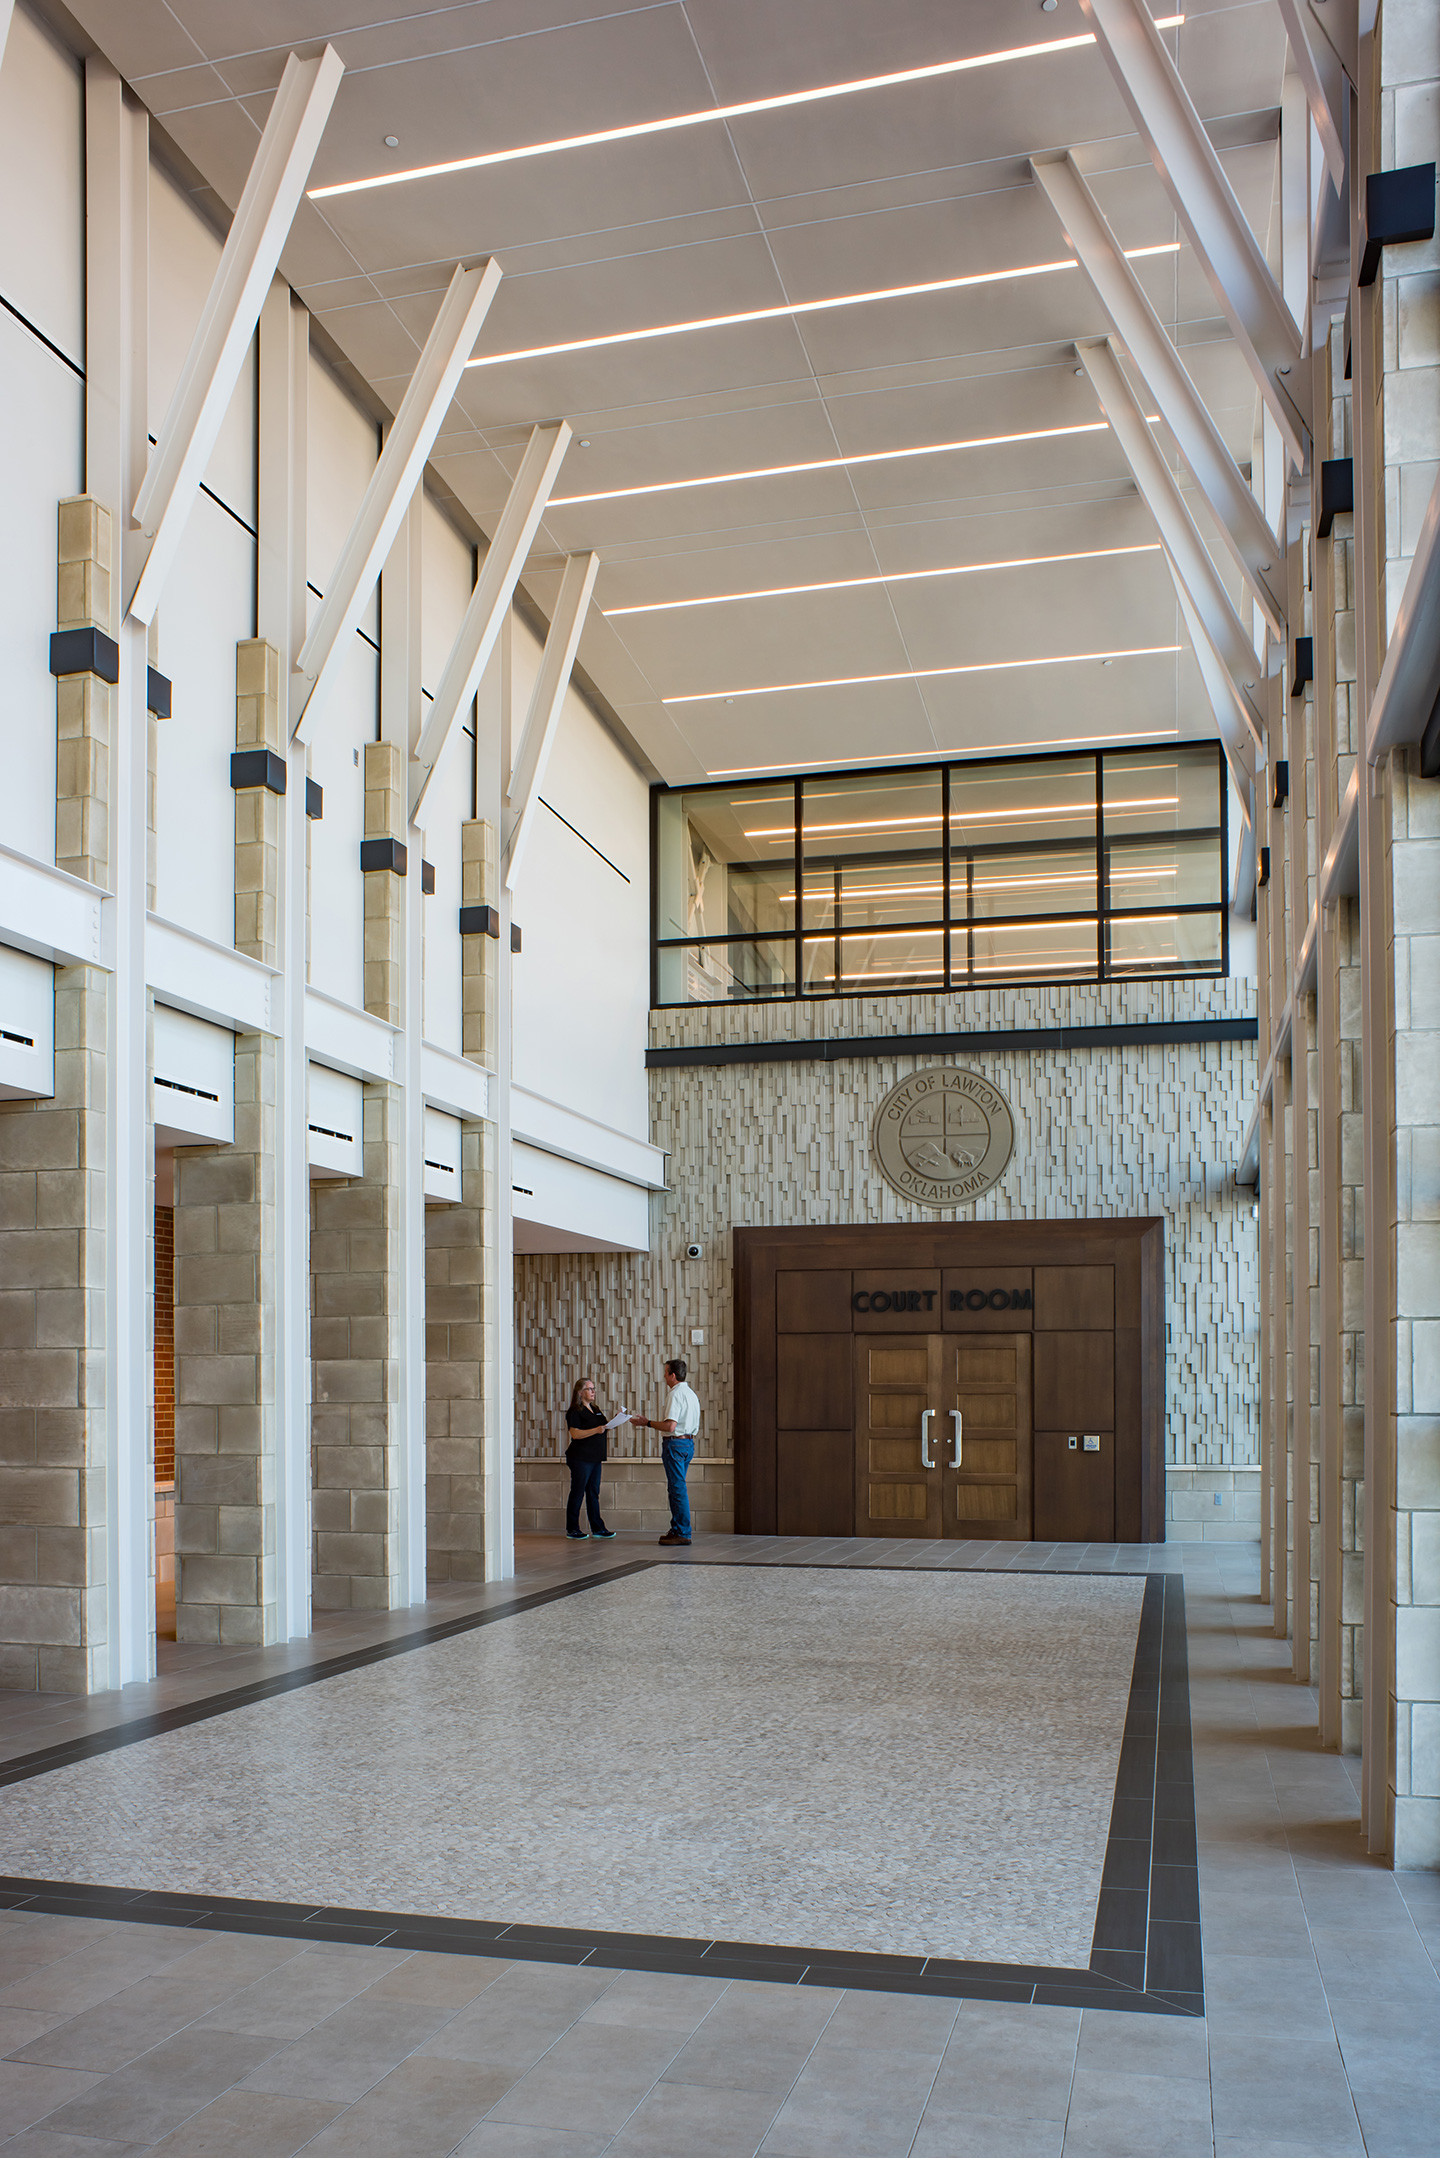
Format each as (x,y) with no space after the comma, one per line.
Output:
(1092,1442)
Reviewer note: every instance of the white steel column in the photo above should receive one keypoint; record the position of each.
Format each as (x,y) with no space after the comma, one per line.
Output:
(1144,337)
(400,718)
(280,601)
(117,215)
(493,737)
(1205,203)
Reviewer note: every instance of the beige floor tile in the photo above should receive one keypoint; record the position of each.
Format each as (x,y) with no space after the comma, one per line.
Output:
(422,2108)
(677,2117)
(28,2094)
(438,1981)
(248,2124)
(343,2057)
(142,2103)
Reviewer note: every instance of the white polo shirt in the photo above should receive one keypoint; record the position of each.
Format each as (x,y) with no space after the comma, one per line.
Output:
(684,1406)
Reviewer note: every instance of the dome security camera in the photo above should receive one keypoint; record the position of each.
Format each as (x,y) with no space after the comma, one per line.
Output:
(694,1251)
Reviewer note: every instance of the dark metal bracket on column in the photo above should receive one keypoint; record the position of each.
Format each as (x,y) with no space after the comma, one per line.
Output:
(1337,492)
(479,921)
(1281,794)
(514,936)
(1304,664)
(383,854)
(1399,207)
(85,651)
(157,693)
(314,799)
(427,876)
(257,768)
(1264,877)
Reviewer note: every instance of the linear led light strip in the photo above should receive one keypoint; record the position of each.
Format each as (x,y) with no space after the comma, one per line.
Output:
(904,576)
(924,674)
(790,308)
(710,114)
(967,816)
(969,754)
(859,894)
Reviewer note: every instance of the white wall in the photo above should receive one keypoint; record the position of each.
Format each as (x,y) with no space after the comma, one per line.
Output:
(342,446)
(208,604)
(42,277)
(447,579)
(582,980)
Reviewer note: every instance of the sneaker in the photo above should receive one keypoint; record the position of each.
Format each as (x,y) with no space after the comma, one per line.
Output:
(605,1535)
(577,1536)
(672,1538)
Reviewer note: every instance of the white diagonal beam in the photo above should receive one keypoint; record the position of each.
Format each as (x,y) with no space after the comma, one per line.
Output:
(1231,720)
(1160,491)
(1318,65)
(247,264)
(1229,252)
(7,9)
(543,717)
(494,590)
(1140,331)
(392,486)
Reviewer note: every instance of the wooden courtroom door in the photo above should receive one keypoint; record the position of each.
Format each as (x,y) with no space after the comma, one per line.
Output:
(943,1442)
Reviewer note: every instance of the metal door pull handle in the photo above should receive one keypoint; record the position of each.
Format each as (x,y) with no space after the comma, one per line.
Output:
(925,1461)
(959,1422)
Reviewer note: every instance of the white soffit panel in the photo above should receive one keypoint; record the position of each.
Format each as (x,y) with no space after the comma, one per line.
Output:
(442,1155)
(27,1027)
(193,1090)
(561,1206)
(335,1108)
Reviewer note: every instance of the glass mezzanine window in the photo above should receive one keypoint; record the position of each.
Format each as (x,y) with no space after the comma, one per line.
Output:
(1109,866)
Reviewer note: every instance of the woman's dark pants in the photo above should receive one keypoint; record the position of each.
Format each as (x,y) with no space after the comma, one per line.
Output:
(584,1484)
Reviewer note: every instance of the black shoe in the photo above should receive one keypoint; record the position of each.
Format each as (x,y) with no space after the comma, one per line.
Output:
(672,1538)
(577,1536)
(605,1535)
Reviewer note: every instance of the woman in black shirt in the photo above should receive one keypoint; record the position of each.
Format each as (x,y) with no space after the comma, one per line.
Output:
(586,1456)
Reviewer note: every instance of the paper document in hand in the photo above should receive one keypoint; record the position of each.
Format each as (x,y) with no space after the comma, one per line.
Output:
(621,1416)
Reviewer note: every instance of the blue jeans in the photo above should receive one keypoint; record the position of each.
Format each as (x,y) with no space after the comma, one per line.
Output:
(584,1484)
(677,1455)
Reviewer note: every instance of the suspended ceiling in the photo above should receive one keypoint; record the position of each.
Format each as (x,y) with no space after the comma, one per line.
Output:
(880,188)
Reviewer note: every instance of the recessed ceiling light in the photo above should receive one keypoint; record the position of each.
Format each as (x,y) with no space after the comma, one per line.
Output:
(902,576)
(967,753)
(1048,7)
(584,442)
(392,142)
(920,674)
(717,112)
(790,308)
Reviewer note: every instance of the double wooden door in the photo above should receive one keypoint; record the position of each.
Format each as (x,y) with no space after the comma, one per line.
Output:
(944,1440)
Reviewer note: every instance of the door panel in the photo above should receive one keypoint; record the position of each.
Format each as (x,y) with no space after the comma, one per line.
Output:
(812,1382)
(1069,1299)
(1074,1491)
(815,1483)
(987,1378)
(895,1383)
(1075,1382)
(815,1301)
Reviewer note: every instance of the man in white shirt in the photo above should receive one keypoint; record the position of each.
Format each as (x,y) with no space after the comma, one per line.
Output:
(679,1426)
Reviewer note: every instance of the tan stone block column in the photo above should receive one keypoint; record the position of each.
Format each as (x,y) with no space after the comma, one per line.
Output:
(53,1623)
(225,1408)
(54,1632)
(354,1340)
(459,1323)
(258,811)
(384,824)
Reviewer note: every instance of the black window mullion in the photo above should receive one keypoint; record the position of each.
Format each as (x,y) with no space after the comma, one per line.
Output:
(945,871)
(1102,892)
(799,896)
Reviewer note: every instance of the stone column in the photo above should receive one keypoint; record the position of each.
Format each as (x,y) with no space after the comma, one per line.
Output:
(225,1413)
(1352,1335)
(354,1340)
(459,1327)
(384,829)
(258,811)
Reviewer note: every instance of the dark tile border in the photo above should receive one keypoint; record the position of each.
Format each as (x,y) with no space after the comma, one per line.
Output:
(1145,1955)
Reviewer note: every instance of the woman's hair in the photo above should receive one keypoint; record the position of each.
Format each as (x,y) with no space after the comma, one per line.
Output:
(576,1390)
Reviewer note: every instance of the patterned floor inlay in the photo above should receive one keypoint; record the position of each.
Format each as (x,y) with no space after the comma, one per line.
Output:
(906,1764)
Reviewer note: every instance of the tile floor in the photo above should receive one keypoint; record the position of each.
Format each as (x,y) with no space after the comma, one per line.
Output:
(1321,2037)
(882,1760)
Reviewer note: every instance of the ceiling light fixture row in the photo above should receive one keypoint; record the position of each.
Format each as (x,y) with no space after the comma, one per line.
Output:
(970,753)
(900,576)
(791,308)
(673,121)
(922,674)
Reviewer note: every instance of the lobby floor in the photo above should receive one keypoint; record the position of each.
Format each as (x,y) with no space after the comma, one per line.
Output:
(1321,2024)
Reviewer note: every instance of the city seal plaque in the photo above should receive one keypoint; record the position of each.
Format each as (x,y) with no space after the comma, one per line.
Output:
(942,1137)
